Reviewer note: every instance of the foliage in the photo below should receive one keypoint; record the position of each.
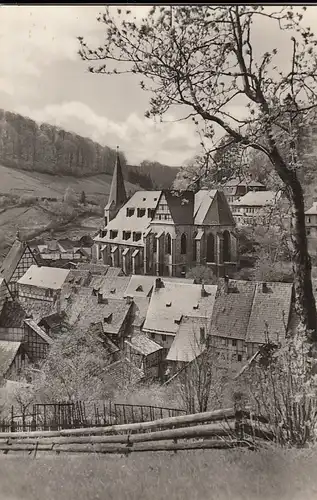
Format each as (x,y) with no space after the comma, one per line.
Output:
(82,198)
(27,200)
(202,274)
(70,197)
(281,386)
(203,61)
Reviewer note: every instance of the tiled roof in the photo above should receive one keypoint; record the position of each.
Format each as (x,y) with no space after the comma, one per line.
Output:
(52,320)
(44,277)
(37,309)
(66,244)
(109,346)
(181,205)
(140,309)
(186,345)
(12,259)
(8,351)
(95,269)
(174,300)
(231,312)
(83,309)
(114,287)
(79,277)
(139,286)
(143,344)
(38,330)
(213,209)
(270,312)
(112,272)
(123,372)
(12,315)
(258,198)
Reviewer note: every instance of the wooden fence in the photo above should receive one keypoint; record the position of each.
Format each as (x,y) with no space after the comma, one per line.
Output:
(218,429)
(79,414)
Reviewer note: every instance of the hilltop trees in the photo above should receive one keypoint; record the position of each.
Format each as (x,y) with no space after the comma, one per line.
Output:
(202,63)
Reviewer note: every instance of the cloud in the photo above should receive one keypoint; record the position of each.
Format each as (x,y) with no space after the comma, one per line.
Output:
(140,138)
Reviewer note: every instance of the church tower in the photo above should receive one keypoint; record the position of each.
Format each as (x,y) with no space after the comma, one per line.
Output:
(117,196)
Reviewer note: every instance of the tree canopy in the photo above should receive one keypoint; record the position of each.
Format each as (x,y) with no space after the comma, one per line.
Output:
(203,62)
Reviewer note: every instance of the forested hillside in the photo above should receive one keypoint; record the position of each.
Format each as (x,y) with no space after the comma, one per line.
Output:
(26,145)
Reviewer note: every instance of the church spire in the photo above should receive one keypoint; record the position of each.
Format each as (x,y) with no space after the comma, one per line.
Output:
(117,196)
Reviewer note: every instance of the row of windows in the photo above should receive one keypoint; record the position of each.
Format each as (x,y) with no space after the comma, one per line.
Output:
(141,212)
(163,217)
(126,235)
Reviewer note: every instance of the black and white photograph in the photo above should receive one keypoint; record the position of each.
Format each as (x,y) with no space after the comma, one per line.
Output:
(158,251)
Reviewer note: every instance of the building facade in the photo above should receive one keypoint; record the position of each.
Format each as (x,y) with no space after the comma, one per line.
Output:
(165,233)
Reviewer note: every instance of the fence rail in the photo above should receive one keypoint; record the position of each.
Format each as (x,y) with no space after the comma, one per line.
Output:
(220,429)
(73,415)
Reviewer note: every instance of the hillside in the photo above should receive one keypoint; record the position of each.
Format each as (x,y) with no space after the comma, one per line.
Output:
(29,146)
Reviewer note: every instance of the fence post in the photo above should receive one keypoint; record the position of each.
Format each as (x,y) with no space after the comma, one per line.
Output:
(12,420)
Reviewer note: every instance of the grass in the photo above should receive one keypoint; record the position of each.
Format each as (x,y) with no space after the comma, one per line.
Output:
(216,475)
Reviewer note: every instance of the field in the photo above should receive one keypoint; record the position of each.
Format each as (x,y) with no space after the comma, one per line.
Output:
(214,475)
(17,182)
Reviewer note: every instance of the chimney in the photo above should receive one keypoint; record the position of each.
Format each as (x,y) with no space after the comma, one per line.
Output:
(158,283)
(226,284)
(101,299)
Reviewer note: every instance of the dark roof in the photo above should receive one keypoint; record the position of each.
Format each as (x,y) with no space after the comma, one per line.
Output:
(117,194)
(80,277)
(38,330)
(55,319)
(8,351)
(12,315)
(37,309)
(12,259)
(219,212)
(109,346)
(181,205)
(270,312)
(231,312)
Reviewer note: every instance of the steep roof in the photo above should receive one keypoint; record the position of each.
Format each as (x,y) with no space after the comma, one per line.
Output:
(213,209)
(44,277)
(186,345)
(8,351)
(169,303)
(231,312)
(259,198)
(38,330)
(143,344)
(270,312)
(12,259)
(118,195)
(37,309)
(111,287)
(181,205)
(12,315)
(312,210)
(79,277)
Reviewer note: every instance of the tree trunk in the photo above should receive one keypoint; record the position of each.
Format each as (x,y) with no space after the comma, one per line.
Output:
(305,305)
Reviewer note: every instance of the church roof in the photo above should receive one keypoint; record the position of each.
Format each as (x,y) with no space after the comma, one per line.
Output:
(181,206)
(211,208)
(117,194)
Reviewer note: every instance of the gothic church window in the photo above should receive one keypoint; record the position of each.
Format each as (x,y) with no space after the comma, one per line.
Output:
(168,244)
(226,247)
(183,244)
(210,248)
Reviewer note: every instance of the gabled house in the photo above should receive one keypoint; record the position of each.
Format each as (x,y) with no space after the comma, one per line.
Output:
(13,359)
(18,260)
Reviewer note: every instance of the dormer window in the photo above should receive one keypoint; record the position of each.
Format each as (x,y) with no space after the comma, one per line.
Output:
(137,236)
(141,212)
(139,288)
(126,235)
(150,213)
(113,234)
(130,212)
(108,319)
(168,304)
(113,290)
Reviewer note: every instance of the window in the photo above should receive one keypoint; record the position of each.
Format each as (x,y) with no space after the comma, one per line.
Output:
(137,236)
(163,338)
(309,219)
(130,212)
(150,213)
(308,232)
(141,212)
(239,357)
(153,336)
(126,235)
(183,244)
(234,342)
(159,217)
(168,244)
(113,234)
(202,335)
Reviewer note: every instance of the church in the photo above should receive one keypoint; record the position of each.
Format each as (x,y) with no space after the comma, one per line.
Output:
(165,233)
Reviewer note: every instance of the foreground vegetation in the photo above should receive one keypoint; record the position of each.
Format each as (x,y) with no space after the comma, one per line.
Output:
(195,475)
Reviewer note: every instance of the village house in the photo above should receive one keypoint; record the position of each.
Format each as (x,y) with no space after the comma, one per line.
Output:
(145,354)
(18,260)
(311,228)
(165,233)
(258,208)
(13,359)
(235,188)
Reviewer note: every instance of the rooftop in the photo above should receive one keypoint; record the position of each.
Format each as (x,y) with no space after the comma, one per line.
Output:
(143,344)
(44,277)
(8,351)
(312,210)
(186,345)
(259,198)
(12,315)
(211,208)
(174,300)
(38,330)
(12,259)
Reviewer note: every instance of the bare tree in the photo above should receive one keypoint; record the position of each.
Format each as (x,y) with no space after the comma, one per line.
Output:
(203,60)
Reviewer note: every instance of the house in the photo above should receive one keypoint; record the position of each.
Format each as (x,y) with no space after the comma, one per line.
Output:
(112,351)
(146,354)
(13,359)
(311,228)
(36,341)
(164,232)
(18,260)
(5,293)
(42,284)
(260,208)
(235,188)
(170,301)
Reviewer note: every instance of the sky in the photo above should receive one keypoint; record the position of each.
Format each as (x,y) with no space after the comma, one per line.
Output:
(43,77)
